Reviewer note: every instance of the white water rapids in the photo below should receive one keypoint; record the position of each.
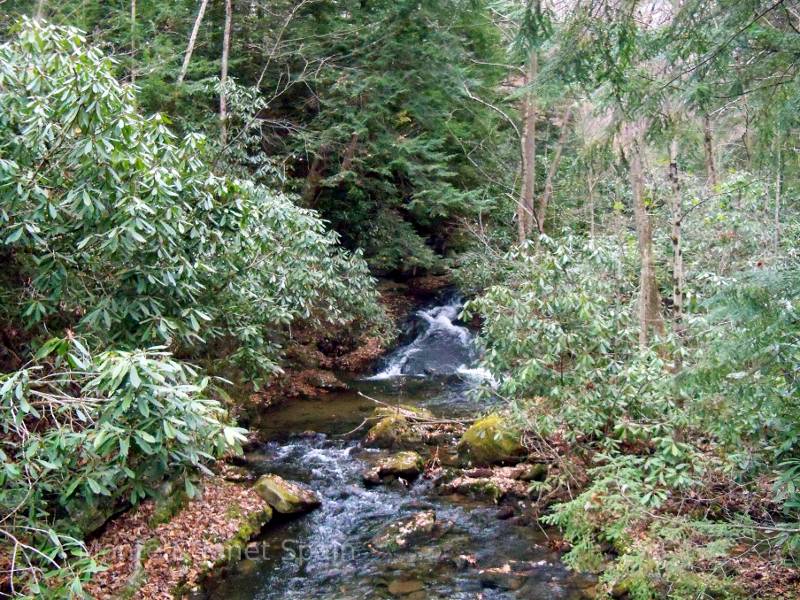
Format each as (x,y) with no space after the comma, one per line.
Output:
(442,348)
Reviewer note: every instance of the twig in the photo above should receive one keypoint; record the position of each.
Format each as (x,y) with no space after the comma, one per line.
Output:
(414,417)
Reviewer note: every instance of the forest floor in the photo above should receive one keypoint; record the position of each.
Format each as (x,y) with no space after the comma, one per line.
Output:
(149,560)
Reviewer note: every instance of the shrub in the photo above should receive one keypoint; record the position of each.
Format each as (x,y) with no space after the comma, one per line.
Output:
(83,435)
(124,234)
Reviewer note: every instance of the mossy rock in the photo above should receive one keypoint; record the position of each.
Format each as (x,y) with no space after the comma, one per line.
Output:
(492,440)
(286,497)
(169,500)
(233,549)
(87,517)
(407,465)
(534,472)
(394,431)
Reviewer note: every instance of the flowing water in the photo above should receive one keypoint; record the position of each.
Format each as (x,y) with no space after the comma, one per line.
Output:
(326,554)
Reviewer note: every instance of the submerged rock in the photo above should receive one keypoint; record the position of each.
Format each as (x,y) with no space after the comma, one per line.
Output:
(407,465)
(286,496)
(410,531)
(403,587)
(492,440)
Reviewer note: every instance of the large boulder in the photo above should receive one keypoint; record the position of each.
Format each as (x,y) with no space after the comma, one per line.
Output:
(286,497)
(407,465)
(492,440)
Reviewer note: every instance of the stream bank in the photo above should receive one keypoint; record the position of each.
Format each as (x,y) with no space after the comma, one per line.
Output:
(403,514)
(418,499)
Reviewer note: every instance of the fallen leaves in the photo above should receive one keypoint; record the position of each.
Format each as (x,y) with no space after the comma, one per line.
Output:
(156,560)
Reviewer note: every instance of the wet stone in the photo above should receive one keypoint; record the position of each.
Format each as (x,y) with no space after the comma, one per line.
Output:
(405,465)
(403,587)
(409,532)
(505,512)
(286,496)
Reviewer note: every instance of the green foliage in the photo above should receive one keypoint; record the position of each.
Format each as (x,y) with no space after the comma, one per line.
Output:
(558,323)
(127,235)
(654,558)
(385,122)
(82,434)
(119,236)
(746,385)
(561,326)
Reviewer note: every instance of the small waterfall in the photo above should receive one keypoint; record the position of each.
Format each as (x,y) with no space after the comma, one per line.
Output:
(442,348)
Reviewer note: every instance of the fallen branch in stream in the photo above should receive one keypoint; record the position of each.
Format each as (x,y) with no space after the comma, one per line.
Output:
(412,416)
(405,413)
(364,422)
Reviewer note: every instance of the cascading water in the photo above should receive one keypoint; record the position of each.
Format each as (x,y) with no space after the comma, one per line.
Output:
(328,554)
(443,347)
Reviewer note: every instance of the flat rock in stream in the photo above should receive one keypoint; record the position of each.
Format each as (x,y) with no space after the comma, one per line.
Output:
(286,497)
(407,465)
(493,488)
(513,574)
(408,532)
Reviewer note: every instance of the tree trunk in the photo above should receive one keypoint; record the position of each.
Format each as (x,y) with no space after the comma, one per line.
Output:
(192,40)
(778,186)
(708,144)
(349,152)
(133,41)
(314,177)
(591,182)
(649,298)
(678,276)
(541,209)
(528,142)
(223,80)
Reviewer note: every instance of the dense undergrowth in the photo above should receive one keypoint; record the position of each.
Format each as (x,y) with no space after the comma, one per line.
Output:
(692,466)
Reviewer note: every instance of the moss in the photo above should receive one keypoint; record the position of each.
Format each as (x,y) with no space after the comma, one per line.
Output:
(534,472)
(388,411)
(407,465)
(390,432)
(403,463)
(167,506)
(233,548)
(286,496)
(234,511)
(491,440)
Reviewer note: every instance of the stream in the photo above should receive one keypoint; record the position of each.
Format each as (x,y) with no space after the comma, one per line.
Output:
(327,553)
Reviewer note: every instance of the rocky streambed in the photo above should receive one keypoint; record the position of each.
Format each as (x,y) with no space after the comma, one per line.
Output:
(409,495)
